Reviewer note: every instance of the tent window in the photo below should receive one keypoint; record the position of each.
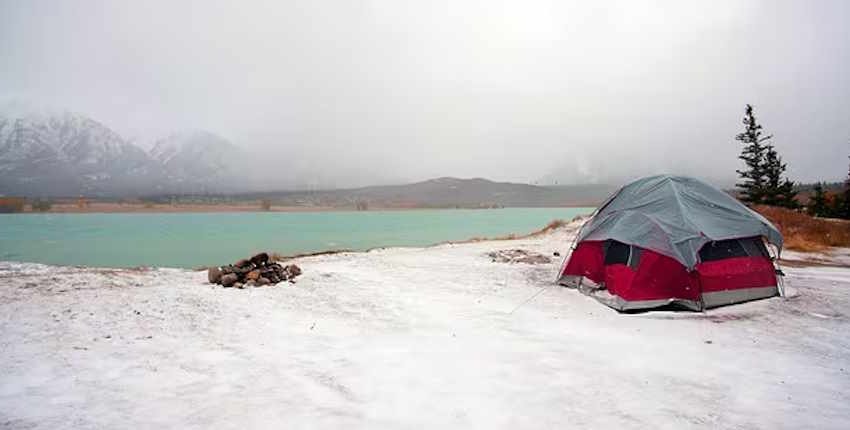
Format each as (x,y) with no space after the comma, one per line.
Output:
(722,249)
(617,253)
(754,247)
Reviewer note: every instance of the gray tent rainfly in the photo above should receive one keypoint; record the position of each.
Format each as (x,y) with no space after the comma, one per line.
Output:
(675,216)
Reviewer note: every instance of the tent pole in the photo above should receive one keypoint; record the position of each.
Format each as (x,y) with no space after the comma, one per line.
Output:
(780,275)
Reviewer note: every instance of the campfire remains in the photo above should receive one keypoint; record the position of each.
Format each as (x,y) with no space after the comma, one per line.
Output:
(257,271)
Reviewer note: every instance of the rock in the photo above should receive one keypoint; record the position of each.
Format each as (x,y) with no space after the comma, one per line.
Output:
(214,275)
(257,271)
(260,259)
(242,271)
(293,270)
(229,279)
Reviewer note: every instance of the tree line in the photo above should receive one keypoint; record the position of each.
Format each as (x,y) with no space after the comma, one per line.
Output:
(18,204)
(763,181)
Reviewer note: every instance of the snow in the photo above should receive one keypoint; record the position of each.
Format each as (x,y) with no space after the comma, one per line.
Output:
(411,337)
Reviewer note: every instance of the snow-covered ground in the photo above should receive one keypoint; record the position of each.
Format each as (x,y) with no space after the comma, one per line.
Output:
(411,338)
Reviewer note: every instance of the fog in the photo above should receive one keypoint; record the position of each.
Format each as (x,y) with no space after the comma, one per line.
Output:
(345,93)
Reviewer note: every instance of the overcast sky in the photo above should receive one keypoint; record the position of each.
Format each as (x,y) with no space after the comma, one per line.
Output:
(358,92)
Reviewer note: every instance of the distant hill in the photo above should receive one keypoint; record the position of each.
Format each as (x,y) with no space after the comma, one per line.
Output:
(444,193)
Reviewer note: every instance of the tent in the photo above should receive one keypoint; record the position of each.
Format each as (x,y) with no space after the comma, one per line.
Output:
(665,240)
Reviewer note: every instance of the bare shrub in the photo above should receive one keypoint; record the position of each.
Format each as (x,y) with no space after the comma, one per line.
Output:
(41,205)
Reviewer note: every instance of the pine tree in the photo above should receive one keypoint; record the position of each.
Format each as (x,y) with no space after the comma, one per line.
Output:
(844,206)
(778,191)
(818,205)
(836,206)
(752,178)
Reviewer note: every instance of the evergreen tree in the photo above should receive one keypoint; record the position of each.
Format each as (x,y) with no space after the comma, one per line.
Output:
(844,205)
(752,177)
(778,191)
(838,206)
(818,205)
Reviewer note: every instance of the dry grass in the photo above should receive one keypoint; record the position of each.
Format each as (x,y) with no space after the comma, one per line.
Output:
(277,257)
(805,233)
(553,225)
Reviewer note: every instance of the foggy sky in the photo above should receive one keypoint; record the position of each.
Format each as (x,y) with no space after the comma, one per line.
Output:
(359,92)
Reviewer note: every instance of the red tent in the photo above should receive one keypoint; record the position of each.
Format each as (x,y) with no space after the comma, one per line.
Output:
(673,240)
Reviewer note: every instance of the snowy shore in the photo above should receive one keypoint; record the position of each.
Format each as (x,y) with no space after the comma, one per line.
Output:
(411,338)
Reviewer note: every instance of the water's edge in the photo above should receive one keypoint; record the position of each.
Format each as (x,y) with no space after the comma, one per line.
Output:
(190,241)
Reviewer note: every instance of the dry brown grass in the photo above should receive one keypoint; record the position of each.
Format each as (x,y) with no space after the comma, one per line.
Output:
(277,257)
(553,225)
(805,233)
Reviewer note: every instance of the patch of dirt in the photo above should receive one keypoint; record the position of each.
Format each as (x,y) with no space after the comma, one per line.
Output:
(518,256)
(812,263)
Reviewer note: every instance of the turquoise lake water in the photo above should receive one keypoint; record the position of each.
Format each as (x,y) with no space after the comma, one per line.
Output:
(199,239)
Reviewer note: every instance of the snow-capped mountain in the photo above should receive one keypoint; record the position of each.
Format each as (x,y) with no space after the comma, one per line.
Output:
(62,154)
(198,154)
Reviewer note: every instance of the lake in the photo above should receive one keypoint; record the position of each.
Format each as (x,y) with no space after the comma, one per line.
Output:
(200,239)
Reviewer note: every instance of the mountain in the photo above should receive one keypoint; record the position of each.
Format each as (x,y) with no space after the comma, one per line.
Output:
(67,154)
(447,192)
(197,162)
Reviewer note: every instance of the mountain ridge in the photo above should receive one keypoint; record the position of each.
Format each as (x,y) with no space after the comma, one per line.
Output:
(444,192)
(65,153)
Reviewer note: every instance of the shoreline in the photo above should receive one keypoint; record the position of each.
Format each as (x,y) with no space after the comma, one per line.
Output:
(103,208)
